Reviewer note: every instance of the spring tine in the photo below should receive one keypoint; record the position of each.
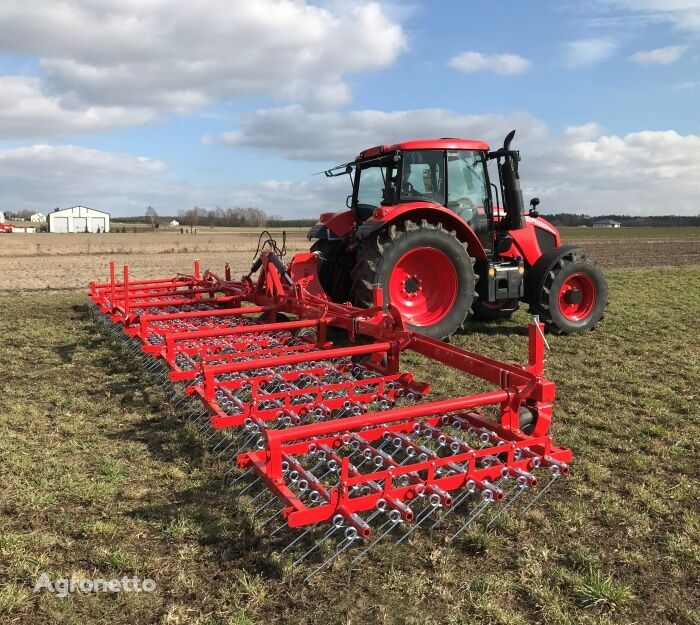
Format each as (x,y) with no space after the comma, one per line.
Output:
(274,516)
(419,521)
(296,540)
(266,504)
(543,490)
(475,515)
(455,504)
(278,529)
(318,543)
(247,488)
(393,524)
(326,563)
(264,491)
(521,489)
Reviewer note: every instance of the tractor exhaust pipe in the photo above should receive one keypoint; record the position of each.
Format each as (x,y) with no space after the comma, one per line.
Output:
(511,192)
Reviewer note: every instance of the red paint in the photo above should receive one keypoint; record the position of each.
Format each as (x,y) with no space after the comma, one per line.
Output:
(222,339)
(423,286)
(577,297)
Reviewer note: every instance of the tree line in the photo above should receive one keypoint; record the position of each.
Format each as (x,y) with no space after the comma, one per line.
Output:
(572,220)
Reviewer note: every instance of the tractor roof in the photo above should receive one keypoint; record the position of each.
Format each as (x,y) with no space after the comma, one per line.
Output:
(446,143)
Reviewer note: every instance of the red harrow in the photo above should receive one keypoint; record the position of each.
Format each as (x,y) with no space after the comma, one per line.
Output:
(337,435)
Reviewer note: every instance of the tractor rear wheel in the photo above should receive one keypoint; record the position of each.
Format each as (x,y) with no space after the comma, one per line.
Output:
(333,274)
(425,272)
(573,297)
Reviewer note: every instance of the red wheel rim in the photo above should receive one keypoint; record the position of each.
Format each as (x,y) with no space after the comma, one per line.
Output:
(577,297)
(423,286)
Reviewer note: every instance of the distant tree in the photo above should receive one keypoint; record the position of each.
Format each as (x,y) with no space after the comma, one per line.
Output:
(152,215)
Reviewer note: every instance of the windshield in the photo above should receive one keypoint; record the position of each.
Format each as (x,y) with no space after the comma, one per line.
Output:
(468,187)
(370,190)
(423,176)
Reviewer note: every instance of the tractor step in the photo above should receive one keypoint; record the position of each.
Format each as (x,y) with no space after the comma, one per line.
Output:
(336,435)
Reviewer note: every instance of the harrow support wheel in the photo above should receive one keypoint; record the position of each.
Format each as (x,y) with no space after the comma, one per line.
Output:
(573,297)
(426,273)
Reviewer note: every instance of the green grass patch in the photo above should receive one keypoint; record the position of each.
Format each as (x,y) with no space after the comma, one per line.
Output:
(100,479)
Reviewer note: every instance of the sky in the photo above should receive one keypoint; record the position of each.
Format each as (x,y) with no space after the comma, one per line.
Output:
(122,104)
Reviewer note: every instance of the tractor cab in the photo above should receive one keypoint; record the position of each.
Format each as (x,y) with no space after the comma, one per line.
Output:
(456,179)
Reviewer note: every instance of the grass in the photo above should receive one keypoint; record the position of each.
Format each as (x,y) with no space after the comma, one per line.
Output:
(100,479)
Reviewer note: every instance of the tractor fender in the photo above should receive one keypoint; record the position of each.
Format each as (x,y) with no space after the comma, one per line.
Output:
(332,226)
(419,210)
(535,276)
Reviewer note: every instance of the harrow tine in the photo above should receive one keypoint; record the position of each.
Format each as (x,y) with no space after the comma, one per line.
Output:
(277,530)
(247,488)
(296,540)
(474,516)
(392,522)
(350,537)
(337,524)
(265,505)
(270,518)
(455,505)
(521,488)
(555,476)
(420,519)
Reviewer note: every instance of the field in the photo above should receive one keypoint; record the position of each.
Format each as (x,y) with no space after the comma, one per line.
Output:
(100,478)
(69,261)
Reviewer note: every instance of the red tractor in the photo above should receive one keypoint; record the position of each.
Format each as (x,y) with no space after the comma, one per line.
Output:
(425,222)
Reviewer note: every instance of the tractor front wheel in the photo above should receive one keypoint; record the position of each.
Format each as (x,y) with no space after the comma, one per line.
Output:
(573,297)
(425,272)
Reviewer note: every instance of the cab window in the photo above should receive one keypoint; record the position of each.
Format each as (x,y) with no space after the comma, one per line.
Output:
(467,187)
(423,176)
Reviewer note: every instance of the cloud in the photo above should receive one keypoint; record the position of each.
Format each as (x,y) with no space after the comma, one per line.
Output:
(41,177)
(683,15)
(580,169)
(26,111)
(659,56)
(118,59)
(45,176)
(299,134)
(586,52)
(504,64)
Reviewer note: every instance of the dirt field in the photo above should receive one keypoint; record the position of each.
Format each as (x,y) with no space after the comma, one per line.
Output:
(70,261)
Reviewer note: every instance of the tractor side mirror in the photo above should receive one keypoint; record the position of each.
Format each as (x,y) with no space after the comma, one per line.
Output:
(348,201)
(534,203)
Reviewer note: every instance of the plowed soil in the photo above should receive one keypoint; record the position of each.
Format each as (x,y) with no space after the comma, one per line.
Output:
(69,261)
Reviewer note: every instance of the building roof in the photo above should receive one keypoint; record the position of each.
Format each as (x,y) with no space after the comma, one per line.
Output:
(607,221)
(61,210)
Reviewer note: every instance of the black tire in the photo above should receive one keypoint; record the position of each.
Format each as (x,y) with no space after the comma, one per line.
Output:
(333,272)
(378,257)
(484,312)
(547,306)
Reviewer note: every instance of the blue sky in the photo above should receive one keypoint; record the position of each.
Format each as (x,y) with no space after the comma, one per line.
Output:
(229,104)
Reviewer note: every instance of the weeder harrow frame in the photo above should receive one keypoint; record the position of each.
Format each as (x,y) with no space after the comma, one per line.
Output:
(337,432)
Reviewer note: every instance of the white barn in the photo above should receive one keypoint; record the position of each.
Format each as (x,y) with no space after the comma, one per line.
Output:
(78,219)
(38,218)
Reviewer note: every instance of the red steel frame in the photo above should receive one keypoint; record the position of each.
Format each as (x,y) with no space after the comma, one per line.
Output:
(235,349)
